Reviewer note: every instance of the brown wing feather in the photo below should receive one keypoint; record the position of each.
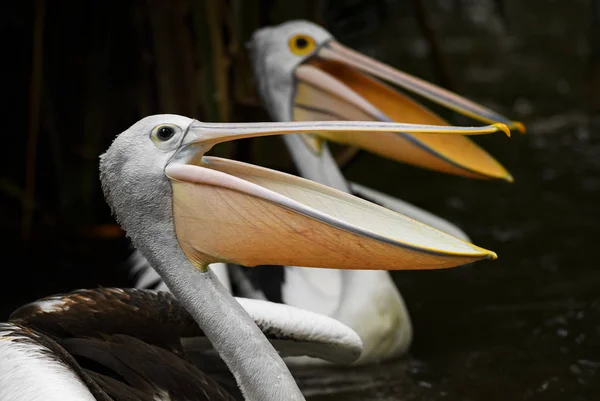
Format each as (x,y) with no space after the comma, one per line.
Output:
(128,342)
(151,316)
(149,369)
(117,389)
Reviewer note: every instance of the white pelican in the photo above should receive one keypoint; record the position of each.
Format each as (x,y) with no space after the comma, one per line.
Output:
(112,343)
(304,74)
(184,211)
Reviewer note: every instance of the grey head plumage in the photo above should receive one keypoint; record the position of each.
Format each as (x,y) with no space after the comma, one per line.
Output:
(133,179)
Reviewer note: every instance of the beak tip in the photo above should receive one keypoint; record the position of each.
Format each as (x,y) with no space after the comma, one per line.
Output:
(519,126)
(492,255)
(509,178)
(502,127)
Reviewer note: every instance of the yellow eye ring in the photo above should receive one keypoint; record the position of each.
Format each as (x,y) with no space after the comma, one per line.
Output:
(302,45)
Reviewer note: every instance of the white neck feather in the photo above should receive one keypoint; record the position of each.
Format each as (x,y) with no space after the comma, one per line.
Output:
(320,168)
(257,367)
(367,301)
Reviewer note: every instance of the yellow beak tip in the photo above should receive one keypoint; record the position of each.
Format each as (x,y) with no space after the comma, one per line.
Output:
(519,126)
(502,127)
(492,255)
(509,178)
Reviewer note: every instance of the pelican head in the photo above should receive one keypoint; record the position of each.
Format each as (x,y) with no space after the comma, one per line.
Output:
(304,74)
(276,53)
(227,211)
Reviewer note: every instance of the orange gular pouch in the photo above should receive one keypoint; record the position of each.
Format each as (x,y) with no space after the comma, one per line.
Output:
(340,84)
(230,211)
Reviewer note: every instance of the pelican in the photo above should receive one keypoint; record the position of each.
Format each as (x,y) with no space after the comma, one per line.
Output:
(113,343)
(184,211)
(303,73)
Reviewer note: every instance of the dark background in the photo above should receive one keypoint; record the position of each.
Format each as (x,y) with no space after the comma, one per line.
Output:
(523,327)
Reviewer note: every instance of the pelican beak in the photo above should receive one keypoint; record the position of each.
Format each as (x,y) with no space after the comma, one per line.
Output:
(228,211)
(338,83)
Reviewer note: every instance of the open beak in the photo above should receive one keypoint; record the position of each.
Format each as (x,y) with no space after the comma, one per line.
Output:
(228,211)
(338,83)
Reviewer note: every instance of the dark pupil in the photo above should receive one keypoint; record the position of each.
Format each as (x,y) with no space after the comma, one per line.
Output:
(301,43)
(165,133)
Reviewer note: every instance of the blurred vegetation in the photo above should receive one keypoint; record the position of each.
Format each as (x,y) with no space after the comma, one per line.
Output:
(90,69)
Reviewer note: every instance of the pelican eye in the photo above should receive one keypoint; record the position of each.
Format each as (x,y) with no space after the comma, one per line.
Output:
(302,45)
(165,133)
